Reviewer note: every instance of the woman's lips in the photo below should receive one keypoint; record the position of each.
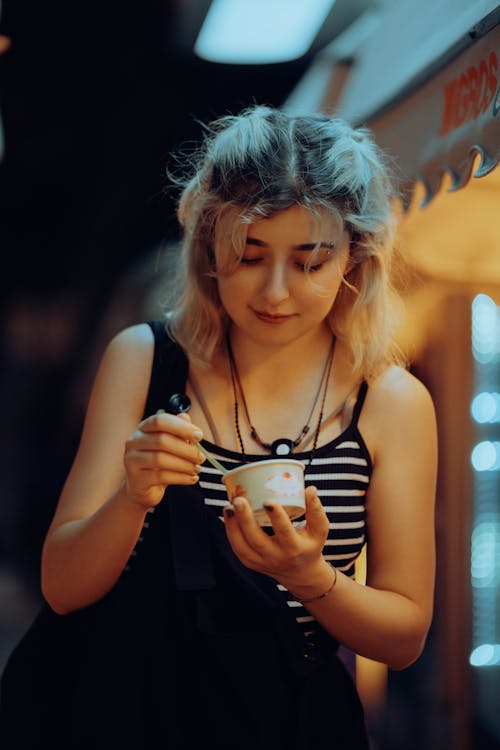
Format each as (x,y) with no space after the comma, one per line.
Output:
(271,317)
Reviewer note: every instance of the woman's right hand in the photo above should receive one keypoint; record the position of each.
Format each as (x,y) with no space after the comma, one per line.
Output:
(158,453)
(121,470)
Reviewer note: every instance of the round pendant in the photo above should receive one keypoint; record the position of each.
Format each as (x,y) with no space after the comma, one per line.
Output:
(282,447)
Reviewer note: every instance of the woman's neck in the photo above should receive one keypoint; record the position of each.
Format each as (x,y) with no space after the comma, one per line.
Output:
(276,367)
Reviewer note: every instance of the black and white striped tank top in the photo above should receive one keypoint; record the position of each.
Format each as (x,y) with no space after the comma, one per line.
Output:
(341,471)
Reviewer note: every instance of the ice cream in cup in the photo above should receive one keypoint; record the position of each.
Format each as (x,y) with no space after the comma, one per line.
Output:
(280,480)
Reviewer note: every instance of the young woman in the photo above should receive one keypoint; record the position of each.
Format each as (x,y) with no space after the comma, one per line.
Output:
(198,622)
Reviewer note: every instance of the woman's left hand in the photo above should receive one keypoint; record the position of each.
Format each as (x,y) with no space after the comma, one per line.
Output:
(291,553)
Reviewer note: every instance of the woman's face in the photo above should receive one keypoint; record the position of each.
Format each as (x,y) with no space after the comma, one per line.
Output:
(270,296)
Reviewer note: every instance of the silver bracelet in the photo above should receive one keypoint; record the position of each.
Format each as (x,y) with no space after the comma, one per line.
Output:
(320,596)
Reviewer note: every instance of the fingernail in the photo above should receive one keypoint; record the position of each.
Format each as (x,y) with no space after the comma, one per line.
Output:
(197,468)
(197,434)
(268,507)
(229,512)
(194,477)
(238,503)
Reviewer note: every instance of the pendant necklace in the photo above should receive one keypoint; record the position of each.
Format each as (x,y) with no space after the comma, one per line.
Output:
(282,446)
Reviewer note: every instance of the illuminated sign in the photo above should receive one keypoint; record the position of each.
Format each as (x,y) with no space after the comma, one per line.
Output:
(469,94)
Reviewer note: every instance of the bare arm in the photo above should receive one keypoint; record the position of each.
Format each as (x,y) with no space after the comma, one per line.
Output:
(121,469)
(387,619)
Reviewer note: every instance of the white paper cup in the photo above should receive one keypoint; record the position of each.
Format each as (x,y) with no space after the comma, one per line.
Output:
(280,480)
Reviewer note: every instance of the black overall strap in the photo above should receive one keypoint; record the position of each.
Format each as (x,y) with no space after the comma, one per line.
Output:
(169,372)
(190,539)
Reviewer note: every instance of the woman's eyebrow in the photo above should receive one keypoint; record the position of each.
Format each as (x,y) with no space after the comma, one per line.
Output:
(302,246)
(254,241)
(313,246)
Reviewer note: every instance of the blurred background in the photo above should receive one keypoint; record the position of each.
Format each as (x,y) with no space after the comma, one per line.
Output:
(94,98)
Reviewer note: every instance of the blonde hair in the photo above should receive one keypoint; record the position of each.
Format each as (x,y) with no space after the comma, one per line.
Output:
(263,161)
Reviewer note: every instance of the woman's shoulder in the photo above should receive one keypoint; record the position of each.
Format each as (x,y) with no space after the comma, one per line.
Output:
(135,338)
(138,342)
(399,383)
(398,413)
(397,394)
(128,357)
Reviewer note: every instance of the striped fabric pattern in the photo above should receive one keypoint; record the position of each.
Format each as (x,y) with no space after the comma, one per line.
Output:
(341,472)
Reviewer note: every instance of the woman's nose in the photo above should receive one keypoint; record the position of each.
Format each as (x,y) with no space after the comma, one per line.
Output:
(276,286)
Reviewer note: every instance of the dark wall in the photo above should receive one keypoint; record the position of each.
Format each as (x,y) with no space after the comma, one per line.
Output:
(94,97)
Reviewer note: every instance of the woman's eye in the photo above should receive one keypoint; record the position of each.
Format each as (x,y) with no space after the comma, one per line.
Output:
(246,261)
(311,269)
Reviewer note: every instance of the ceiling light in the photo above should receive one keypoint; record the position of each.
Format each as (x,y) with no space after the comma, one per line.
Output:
(260,31)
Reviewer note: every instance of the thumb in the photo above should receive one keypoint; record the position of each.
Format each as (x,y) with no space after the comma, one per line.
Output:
(183,415)
(316,518)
